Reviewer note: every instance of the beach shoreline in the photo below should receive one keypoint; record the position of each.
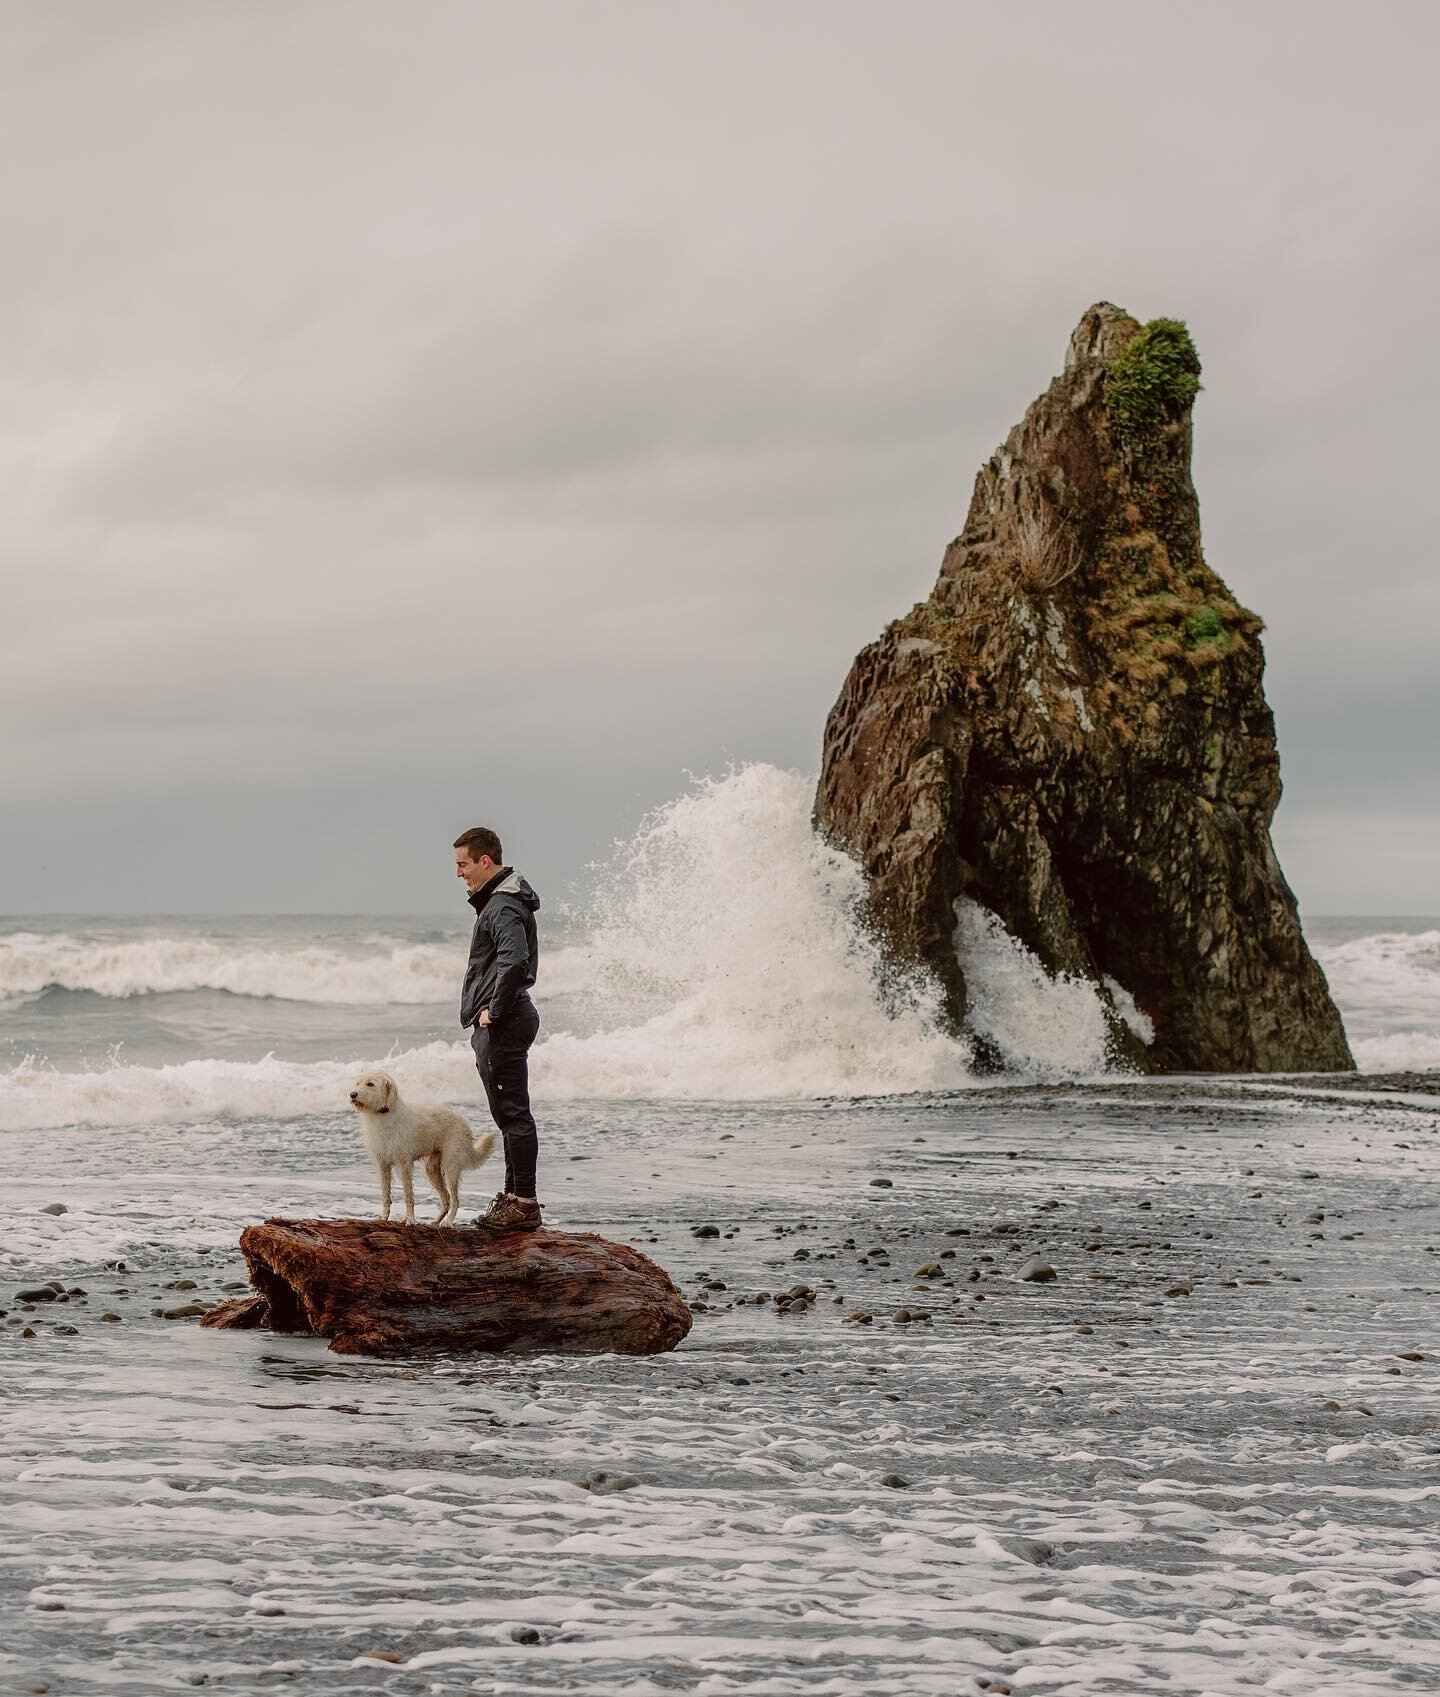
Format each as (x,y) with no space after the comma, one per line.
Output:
(1200,1457)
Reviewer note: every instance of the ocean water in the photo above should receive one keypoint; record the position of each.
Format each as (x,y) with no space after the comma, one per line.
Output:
(1204,1458)
(722,961)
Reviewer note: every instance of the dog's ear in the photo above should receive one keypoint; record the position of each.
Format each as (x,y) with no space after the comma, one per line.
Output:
(389,1092)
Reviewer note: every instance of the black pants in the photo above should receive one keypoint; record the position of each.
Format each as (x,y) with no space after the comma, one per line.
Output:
(502,1059)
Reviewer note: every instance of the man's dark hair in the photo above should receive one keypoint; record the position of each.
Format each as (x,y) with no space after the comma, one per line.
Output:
(478,841)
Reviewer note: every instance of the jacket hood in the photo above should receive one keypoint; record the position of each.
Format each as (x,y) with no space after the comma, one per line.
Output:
(515,885)
(506,882)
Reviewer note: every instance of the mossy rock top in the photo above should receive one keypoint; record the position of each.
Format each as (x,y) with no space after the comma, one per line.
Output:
(1151,382)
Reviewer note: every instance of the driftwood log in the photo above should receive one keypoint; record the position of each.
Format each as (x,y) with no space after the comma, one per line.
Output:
(389,1289)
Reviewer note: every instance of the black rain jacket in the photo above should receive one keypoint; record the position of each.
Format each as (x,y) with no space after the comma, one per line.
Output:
(504,947)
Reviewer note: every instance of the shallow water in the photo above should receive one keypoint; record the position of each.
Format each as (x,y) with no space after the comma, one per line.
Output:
(1163,1502)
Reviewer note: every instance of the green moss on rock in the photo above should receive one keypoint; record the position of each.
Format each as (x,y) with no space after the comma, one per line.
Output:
(1151,382)
(1203,626)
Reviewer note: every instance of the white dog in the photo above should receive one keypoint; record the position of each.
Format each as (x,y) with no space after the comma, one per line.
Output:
(398,1135)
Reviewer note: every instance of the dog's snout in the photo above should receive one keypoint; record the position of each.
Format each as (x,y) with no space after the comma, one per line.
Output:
(354,1095)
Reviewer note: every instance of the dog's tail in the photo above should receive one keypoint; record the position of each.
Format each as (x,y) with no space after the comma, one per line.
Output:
(482,1150)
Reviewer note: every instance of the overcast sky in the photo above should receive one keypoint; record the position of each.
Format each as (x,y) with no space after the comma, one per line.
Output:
(420,415)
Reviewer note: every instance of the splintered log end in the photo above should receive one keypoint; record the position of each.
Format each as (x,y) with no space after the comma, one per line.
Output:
(242,1314)
(375,1288)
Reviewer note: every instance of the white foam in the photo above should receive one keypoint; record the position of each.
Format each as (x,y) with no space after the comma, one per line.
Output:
(1387,983)
(1130,1011)
(35,1096)
(399,973)
(1045,1025)
(376,972)
(729,941)
(1398,1051)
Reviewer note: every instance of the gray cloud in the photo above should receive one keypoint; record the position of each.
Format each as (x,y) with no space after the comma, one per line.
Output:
(670,338)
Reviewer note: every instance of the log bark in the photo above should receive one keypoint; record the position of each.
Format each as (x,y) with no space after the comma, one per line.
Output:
(388,1289)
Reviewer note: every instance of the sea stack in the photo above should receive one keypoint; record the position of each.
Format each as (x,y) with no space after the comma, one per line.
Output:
(1072,733)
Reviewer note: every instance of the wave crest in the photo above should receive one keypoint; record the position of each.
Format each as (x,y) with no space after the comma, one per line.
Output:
(399,973)
(387,973)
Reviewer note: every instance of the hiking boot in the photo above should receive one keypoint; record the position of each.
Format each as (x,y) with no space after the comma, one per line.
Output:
(509,1213)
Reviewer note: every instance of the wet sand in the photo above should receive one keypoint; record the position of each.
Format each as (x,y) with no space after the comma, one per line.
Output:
(1204,1456)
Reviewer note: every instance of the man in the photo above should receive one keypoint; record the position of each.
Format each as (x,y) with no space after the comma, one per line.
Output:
(496,1009)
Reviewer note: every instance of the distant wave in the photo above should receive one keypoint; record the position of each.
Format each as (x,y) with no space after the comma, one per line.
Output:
(1386,983)
(1398,1051)
(389,974)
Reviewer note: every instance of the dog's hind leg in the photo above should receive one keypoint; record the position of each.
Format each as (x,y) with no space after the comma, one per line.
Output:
(435,1173)
(383,1168)
(452,1186)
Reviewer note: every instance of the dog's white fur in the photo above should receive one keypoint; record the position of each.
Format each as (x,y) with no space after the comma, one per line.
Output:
(398,1135)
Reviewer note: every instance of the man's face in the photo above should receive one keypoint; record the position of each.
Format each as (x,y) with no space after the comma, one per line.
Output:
(474,872)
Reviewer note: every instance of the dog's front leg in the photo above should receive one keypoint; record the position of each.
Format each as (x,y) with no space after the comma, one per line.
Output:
(407,1180)
(383,1169)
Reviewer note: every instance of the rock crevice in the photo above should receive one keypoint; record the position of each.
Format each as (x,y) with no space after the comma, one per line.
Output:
(1072,731)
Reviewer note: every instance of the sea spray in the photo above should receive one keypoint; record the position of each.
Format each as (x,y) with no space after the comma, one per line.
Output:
(731,961)
(1045,1025)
